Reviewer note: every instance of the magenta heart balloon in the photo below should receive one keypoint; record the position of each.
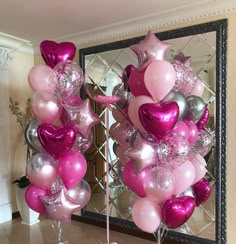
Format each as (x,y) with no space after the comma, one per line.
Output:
(158,119)
(202,191)
(136,83)
(177,211)
(134,181)
(54,53)
(56,140)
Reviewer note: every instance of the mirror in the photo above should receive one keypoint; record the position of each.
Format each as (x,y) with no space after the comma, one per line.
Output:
(206,45)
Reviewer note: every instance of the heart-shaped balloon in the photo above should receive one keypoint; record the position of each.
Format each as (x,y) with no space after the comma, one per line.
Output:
(158,119)
(54,53)
(56,140)
(177,211)
(202,191)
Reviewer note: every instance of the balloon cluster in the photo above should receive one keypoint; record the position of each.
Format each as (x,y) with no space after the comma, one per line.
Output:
(59,135)
(161,137)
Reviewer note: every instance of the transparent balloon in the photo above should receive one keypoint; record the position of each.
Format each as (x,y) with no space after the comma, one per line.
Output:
(82,143)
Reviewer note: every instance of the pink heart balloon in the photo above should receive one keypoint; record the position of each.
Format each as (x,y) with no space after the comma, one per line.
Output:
(56,140)
(177,211)
(54,53)
(158,119)
(202,191)
(134,181)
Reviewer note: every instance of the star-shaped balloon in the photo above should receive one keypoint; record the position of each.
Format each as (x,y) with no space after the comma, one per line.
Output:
(185,60)
(149,49)
(83,117)
(142,154)
(60,206)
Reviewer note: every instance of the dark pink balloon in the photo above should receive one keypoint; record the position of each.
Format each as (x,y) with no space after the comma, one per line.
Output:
(134,181)
(72,167)
(177,211)
(202,191)
(56,140)
(193,131)
(201,124)
(158,119)
(54,53)
(32,198)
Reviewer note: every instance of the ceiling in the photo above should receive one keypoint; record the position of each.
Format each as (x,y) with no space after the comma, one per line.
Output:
(34,21)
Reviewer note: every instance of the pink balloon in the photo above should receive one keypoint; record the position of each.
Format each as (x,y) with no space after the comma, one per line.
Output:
(41,169)
(184,176)
(46,107)
(54,53)
(134,181)
(159,184)
(120,153)
(133,110)
(182,129)
(159,79)
(198,89)
(56,140)
(193,131)
(199,164)
(42,77)
(201,124)
(177,211)
(32,198)
(72,167)
(146,214)
(202,191)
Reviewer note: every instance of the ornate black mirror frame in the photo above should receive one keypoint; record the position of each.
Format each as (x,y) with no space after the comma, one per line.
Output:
(125,226)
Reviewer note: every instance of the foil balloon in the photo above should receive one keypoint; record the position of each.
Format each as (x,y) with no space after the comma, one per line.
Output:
(150,49)
(158,119)
(175,212)
(56,140)
(201,191)
(201,124)
(54,53)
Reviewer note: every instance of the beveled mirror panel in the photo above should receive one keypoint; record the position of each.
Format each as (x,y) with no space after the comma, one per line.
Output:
(206,45)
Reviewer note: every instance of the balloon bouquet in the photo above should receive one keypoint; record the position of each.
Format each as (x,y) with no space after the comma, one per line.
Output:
(59,135)
(161,137)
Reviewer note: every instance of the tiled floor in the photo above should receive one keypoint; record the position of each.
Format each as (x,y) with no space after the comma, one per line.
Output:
(13,232)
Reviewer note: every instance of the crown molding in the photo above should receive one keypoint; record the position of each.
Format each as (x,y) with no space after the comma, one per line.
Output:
(16,44)
(197,10)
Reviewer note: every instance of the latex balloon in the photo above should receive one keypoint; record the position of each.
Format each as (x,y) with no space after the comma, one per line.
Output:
(175,212)
(158,119)
(174,96)
(201,124)
(159,79)
(146,215)
(42,77)
(202,191)
(46,107)
(196,107)
(199,164)
(150,49)
(82,144)
(31,136)
(72,167)
(41,170)
(56,140)
(120,153)
(123,94)
(192,131)
(54,53)
(32,198)
(181,129)
(198,89)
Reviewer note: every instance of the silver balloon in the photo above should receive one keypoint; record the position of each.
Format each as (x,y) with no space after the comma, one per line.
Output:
(31,136)
(196,108)
(180,99)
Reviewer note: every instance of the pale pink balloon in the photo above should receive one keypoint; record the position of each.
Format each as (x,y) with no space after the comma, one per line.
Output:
(198,89)
(159,78)
(120,153)
(146,214)
(182,129)
(32,198)
(42,77)
(133,110)
(159,184)
(199,164)
(46,107)
(184,177)
(41,170)
(72,167)
(193,131)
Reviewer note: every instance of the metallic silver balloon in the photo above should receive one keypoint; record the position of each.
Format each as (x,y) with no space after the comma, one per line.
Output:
(179,98)
(31,136)
(196,107)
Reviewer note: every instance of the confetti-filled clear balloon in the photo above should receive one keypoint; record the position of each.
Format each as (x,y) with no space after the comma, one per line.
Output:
(69,79)
(82,143)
